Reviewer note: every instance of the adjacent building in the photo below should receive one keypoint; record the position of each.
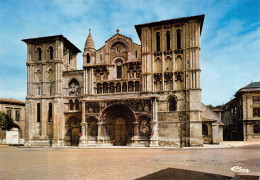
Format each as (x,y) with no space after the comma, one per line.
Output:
(16,110)
(126,94)
(241,115)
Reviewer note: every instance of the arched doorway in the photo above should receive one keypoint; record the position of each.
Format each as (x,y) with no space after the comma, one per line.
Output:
(73,130)
(118,124)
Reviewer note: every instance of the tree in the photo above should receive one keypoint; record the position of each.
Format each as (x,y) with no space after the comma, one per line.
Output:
(6,123)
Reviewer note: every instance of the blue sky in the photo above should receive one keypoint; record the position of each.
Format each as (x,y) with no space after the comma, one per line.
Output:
(230,39)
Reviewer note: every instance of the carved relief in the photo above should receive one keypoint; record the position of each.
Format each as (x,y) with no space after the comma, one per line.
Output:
(74,88)
(93,128)
(118,48)
(144,126)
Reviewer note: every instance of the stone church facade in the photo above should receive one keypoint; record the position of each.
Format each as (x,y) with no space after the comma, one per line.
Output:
(125,95)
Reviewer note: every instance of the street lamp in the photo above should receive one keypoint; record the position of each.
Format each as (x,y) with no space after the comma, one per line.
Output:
(180,116)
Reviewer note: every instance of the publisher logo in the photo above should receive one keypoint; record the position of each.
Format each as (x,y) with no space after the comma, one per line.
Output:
(239,169)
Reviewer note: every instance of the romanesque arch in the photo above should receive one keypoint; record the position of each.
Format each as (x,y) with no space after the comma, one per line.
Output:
(118,124)
(72,130)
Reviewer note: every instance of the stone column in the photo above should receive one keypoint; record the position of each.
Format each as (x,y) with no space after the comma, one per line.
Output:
(154,125)
(136,134)
(82,140)
(100,137)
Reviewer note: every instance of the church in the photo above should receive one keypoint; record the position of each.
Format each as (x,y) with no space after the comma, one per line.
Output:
(126,94)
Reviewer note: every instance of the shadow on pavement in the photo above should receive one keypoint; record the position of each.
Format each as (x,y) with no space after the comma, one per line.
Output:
(180,174)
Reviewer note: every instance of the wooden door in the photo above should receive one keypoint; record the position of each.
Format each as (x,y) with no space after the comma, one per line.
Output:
(75,136)
(120,132)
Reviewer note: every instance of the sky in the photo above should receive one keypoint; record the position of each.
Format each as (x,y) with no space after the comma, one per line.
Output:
(230,38)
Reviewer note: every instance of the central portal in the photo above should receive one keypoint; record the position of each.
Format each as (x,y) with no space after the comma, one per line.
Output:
(118,124)
(120,132)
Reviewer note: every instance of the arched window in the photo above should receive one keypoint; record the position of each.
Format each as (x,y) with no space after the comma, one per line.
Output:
(50,112)
(157,41)
(137,86)
(38,112)
(77,104)
(135,54)
(172,104)
(204,129)
(51,52)
(119,69)
(118,87)
(39,51)
(88,58)
(168,40)
(178,39)
(130,86)
(124,87)
(112,87)
(71,104)
(99,88)
(105,88)
(70,57)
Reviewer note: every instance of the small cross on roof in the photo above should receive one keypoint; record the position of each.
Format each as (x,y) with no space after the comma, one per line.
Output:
(117,31)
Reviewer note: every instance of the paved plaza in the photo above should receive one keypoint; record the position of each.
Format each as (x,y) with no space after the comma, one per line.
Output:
(126,163)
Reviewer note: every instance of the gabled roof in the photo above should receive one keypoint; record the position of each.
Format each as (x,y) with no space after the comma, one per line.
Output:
(11,101)
(51,38)
(253,86)
(120,35)
(170,21)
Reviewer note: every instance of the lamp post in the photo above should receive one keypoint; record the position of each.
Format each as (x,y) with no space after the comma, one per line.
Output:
(180,116)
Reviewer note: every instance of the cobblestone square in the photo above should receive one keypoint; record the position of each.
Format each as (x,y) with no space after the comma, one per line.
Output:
(125,163)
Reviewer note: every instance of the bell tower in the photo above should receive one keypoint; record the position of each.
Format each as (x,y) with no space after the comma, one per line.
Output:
(47,59)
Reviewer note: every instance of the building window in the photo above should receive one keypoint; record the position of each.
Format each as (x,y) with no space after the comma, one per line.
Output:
(256,112)
(77,104)
(112,88)
(135,54)
(204,129)
(124,87)
(256,98)
(172,104)
(51,52)
(157,41)
(99,88)
(257,128)
(178,39)
(119,69)
(137,86)
(38,112)
(71,104)
(118,87)
(39,91)
(100,58)
(39,51)
(130,86)
(105,88)
(168,40)
(88,58)
(17,115)
(9,113)
(50,112)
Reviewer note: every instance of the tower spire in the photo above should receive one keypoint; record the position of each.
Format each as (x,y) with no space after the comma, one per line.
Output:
(89,42)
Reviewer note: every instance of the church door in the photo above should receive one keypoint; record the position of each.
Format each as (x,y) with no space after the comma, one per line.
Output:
(75,136)
(120,132)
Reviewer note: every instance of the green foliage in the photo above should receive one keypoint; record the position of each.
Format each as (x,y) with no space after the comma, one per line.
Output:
(6,123)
